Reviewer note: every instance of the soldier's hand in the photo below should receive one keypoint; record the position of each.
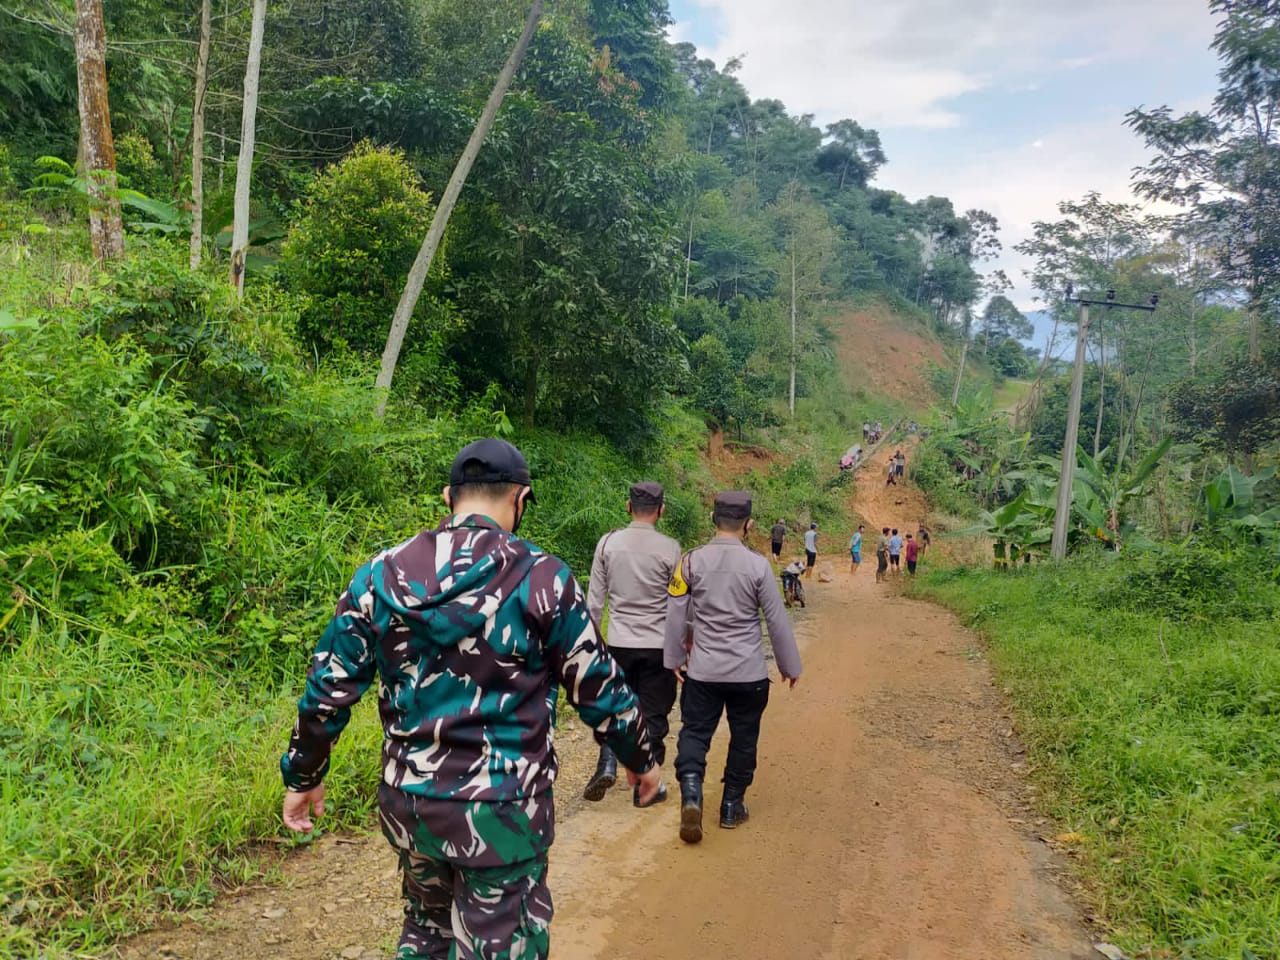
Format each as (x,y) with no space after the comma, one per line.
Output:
(792,681)
(299,806)
(649,783)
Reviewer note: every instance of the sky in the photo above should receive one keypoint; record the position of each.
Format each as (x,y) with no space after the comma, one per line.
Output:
(1011,106)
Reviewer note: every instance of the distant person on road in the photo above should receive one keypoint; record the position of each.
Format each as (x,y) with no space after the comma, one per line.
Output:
(793,571)
(630,573)
(891,473)
(895,551)
(810,548)
(911,550)
(777,534)
(855,550)
(470,632)
(882,556)
(866,432)
(899,464)
(713,634)
(925,538)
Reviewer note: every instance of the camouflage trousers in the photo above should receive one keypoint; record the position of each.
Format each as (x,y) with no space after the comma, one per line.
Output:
(474,877)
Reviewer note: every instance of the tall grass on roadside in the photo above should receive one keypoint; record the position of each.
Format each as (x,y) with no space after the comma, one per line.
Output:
(1147,687)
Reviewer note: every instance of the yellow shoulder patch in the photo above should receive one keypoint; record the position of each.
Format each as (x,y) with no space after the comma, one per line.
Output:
(677,587)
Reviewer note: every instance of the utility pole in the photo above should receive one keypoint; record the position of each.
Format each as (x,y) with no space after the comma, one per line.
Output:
(791,396)
(1066,477)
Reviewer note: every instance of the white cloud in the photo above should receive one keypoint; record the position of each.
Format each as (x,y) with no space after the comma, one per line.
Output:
(1021,185)
(901,65)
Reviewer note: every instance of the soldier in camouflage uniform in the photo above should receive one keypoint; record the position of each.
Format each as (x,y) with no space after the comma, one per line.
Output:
(468,629)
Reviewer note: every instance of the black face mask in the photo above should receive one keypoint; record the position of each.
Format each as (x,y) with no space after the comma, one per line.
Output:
(522,504)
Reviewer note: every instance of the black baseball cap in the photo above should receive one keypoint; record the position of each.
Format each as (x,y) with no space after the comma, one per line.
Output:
(490,461)
(733,505)
(647,493)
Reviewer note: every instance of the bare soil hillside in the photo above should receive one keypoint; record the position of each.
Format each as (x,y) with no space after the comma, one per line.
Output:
(883,353)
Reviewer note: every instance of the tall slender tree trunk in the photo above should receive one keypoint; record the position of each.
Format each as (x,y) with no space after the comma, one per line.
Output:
(97,152)
(1102,392)
(435,233)
(688,252)
(244,163)
(791,395)
(197,138)
(955,392)
(1193,353)
(530,392)
(1255,314)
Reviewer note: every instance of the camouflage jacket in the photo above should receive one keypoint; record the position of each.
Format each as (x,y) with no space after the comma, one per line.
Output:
(468,629)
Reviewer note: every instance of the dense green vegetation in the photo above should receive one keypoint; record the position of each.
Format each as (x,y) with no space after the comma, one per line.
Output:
(185,496)
(1146,688)
(188,478)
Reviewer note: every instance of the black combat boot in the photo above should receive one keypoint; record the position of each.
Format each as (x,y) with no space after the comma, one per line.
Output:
(659,797)
(606,776)
(733,807)
(691,808)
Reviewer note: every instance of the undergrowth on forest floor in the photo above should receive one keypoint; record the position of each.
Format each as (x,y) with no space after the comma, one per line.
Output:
(1150,704)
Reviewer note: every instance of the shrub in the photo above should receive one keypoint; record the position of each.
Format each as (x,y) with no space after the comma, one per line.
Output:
(351,248)
(138,167)
(1189,583)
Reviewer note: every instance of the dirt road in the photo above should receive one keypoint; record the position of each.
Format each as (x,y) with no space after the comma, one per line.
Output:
(888,822)
(881,819)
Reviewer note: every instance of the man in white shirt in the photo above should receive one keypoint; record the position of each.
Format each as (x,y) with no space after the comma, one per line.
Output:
(810,548)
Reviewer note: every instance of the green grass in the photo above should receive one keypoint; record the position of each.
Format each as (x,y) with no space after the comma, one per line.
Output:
(1158,739)
(1009,394)
(132,783)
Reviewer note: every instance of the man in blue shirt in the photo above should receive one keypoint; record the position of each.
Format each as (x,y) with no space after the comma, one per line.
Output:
(895,551)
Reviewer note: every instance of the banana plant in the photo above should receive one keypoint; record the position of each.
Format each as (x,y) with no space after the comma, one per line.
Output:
(1231,503)
(1017,528)
(1231,494)
(1100,495)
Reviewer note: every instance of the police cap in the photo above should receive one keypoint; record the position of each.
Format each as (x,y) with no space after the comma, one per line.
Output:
(647,494)
(733,505)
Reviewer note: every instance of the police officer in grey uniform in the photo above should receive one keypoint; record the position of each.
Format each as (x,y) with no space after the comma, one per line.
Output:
(631,570)
(713,636)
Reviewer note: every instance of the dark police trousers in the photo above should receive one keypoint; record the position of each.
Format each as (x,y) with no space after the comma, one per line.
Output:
(655,687)
(701,704)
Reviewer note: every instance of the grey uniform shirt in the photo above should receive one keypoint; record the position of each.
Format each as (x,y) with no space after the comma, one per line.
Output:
(631,570)
(722,588)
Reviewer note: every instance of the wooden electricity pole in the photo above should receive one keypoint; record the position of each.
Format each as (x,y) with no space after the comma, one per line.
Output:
(791,396)
(1067,475)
